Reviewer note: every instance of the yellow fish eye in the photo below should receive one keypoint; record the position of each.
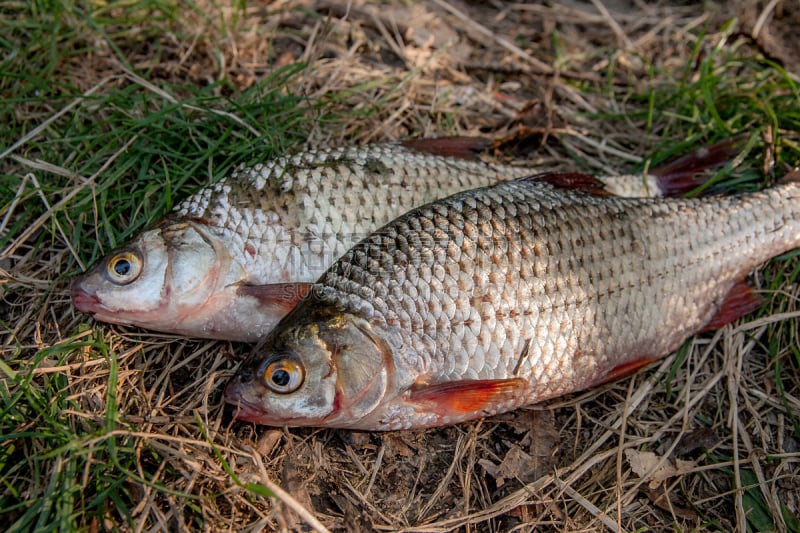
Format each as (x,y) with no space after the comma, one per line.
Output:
(124,267)
(284,375)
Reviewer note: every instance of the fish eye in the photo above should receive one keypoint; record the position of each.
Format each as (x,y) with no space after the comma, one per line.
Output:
(284,375)
(124,267)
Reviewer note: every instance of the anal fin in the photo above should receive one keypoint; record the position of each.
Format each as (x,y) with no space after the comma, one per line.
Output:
(623,370)
(468,396)
(739,301)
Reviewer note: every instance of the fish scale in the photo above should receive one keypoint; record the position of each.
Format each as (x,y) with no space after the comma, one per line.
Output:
(331,193)
(524,282)
(236,256)
(567,299)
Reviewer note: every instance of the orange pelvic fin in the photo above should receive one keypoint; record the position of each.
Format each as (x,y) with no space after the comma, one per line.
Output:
(471,396)
(576,181)
(282,295)
(739,301)
(460,147)
(679,176)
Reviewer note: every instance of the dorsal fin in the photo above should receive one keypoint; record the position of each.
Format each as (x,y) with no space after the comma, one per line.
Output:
(460,147)
(574,181)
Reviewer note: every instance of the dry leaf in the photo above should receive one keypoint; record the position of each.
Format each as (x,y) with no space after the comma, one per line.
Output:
(268,441)
(518,465)
(698,439)
(297,476)
(669,503)
(773,26)
(655,469)
(493,470)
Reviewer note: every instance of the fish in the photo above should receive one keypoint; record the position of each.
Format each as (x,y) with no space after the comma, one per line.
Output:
(504,296)
(232,259)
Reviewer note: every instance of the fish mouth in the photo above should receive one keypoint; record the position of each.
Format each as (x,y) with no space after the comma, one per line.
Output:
(242,409)
(84,301)
(247,411)
(89,303)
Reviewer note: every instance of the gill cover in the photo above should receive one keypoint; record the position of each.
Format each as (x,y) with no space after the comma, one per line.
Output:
(193,271)
(326,371)
(363,361)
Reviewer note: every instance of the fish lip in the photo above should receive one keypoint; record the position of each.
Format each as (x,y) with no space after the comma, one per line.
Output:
(243,410)
(89,303)
(84,301)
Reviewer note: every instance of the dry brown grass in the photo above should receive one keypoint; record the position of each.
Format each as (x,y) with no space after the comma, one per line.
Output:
(420,69)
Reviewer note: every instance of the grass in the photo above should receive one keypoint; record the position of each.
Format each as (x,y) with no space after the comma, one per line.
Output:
(141,103)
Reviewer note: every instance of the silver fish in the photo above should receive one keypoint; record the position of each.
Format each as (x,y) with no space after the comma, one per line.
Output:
(235,257)
(503,296)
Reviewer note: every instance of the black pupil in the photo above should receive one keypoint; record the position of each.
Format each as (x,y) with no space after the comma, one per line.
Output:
(281,377)
(122,267)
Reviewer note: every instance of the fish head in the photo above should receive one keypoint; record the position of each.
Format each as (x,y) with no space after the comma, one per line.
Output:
(128,280)
(315,369)
(157,281)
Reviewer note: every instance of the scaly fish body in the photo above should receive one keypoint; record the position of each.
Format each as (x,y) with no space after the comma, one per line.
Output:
(235,257)
(504,296)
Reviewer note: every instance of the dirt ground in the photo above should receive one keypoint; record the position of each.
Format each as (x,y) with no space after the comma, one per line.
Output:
(663,450)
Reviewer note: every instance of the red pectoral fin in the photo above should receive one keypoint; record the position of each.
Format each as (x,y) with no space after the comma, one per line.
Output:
(461,147)
(679,176)
(741,299)
(464,397)
(282,295)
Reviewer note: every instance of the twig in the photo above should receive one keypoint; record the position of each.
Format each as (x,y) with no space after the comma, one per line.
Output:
(375,469)
(734,372)
(762,18)
(165,95)
(511,47)
(615,27)
(589,506)
(41,127)
(287,498)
